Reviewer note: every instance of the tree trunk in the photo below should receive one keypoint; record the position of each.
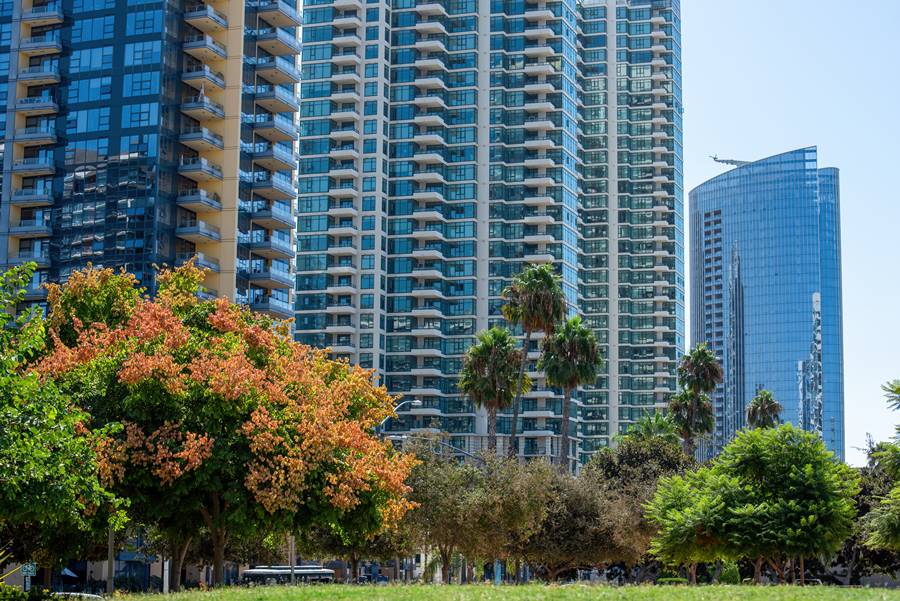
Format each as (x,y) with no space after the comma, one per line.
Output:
(717,573)
(564,432)
(179,552)
(757,570)
(513,450)
(48,578)
(492,429)
(518,565)
(219,536)
(354,568)
(802,571)
(692,571)
(779,569)
(553,574)
(218,541)
(445,565)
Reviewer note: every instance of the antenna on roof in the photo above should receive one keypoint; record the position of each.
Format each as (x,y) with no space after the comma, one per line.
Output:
(733,162)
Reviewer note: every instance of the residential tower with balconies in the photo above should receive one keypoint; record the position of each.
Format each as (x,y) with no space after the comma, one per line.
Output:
(445,146)
(150,133)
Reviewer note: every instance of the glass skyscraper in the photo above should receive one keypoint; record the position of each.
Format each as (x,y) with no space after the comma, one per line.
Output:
(447,144)
(766,291)
(145,132)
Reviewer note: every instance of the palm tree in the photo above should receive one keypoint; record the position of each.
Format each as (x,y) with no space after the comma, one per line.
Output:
(692,416)
(570,357)
(763,410)
(698,373)
(535,301)
(654,425)
(488,375)
(892,393)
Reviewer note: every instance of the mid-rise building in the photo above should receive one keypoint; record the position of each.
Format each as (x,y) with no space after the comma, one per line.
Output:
(766,291)
(140,133)
(446,145)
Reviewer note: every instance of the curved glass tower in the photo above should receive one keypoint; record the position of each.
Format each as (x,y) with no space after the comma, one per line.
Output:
(766,291)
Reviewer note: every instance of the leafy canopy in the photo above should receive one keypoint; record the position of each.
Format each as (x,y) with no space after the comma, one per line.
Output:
(48,466)
(774,493)
(221,418)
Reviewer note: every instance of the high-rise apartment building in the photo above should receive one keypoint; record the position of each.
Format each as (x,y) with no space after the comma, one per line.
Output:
(447,144)
(140,133)
(766,291)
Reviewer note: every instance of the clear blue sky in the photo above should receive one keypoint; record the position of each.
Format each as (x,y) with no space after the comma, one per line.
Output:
(768,76)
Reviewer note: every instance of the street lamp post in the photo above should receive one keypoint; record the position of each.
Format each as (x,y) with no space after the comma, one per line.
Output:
(411,402)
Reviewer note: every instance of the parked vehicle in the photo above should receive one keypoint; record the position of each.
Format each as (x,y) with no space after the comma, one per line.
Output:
(305,574)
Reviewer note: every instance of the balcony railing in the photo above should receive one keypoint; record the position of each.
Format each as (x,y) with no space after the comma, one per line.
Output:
(200,227)
(203,102)
(200,260)
(199,9)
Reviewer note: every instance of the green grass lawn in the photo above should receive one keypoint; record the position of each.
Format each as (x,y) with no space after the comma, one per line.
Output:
(538,593)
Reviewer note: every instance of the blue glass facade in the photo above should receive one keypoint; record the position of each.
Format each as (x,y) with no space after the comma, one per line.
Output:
(446,145)
(139,133)
(766,291)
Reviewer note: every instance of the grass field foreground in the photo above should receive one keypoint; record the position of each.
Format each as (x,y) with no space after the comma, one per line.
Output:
(539,593)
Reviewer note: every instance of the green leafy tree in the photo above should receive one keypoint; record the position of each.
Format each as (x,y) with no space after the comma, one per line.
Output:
(655,425)
(690,409)
(572,534)
(882,524)
(859,558)
(628,475)
(488,375)
(442,490)
(570,358)
(507,506)
(773,495)
(52,503)
(685,512)
(763,410)
(323,541)
(536,302)
(806,493)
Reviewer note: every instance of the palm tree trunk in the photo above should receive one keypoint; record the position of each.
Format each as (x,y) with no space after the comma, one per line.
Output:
(687,443)
(564,431)
(492,429)
(513,449)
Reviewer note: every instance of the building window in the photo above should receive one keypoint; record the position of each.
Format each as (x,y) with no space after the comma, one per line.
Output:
(141,84)
(140,115)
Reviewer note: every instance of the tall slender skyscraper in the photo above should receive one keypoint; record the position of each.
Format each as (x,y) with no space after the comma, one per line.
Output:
(766,291)
(446,145)
(145,132)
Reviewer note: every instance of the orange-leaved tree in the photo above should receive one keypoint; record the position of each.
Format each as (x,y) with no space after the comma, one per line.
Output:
(224,421)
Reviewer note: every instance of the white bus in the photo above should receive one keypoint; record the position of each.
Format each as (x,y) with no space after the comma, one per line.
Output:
(308,574)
